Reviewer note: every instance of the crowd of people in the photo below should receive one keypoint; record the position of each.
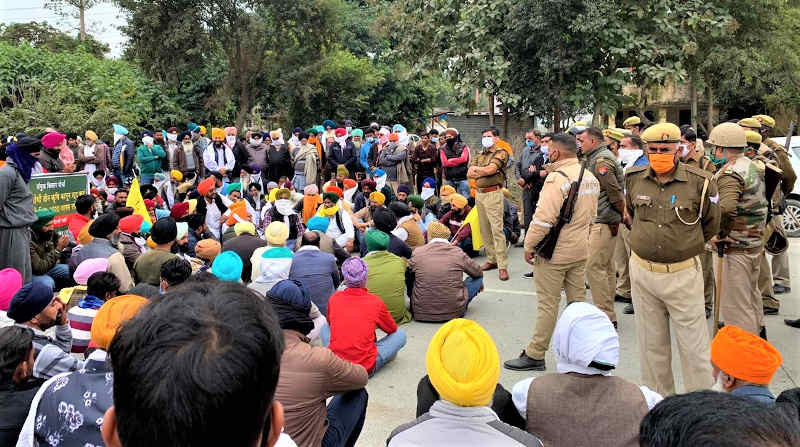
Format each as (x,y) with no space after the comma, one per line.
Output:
(244,289)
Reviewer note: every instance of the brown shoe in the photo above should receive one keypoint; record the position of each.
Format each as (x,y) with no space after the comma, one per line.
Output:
(488,266)
(503,275)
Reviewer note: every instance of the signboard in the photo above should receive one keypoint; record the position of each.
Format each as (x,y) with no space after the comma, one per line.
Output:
(58,192)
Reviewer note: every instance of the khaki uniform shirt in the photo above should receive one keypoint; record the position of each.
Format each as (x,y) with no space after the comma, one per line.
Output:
(660,213)
(780,155)
(498,157)
(572,245)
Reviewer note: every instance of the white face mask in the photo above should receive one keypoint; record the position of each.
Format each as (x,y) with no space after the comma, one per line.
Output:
(684,150)
(231,139)
(629,156)
(427,193)
(487,142)
(147,141)
(544,149)
(435,140)
(172,137)
(255,141)
(348,129)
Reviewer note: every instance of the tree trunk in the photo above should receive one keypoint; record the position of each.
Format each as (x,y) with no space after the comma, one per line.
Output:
(244,105)
(505,124)
(556,117)
(491,109)
(82,12)
(710,95)
(693,100)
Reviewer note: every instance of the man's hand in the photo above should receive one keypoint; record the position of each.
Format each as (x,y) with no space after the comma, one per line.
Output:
(542,173)
(626,220)
(532,168)
(349,246)
(223,171)
(520,182)
(361,226)
(62,320)
(62,243)
(529,257)
(223,218)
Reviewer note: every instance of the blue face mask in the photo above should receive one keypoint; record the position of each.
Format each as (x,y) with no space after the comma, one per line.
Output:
(370,139)
(530,143)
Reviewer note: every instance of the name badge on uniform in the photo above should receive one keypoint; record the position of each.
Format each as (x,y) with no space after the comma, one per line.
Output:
(714,199)
(640,197)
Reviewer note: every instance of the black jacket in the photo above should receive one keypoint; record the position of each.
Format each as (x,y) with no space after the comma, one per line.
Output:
(338,156)
(15,402)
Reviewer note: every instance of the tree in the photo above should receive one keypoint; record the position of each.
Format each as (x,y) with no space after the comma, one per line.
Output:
(42,35)
(75,8)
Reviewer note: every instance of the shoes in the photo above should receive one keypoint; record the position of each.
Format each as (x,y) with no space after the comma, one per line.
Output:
(525,363)
(720,325)
(488,266)
(708,314)
(763,333)
(621,299)
(781,289)
(528,275)
(615,326)
(793,323)
(503,274)
(628,309)
(770,311)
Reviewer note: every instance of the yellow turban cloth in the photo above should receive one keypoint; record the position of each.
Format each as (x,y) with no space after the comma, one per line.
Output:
(463,364)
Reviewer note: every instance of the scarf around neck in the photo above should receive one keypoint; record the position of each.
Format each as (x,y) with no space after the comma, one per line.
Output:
(328,212)
(23,161)
(90,302)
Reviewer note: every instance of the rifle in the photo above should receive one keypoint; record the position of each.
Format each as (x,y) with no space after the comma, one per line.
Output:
(789,138)
(547,245)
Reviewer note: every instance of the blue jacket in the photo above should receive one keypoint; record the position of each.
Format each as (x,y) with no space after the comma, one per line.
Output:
(364,156)
(318,272)
(759,393)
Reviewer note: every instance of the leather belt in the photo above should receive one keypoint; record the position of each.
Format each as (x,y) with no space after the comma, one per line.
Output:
(489,189)
(659,267)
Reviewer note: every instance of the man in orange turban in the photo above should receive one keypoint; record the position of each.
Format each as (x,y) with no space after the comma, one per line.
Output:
(744,364)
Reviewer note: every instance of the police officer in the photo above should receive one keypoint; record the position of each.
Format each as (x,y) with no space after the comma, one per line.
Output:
(600,271)
(743,208)
(780,263)
(673,212)
(488,170)
(634,125)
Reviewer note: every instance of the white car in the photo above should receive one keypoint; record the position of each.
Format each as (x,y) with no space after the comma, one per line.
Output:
(791,217)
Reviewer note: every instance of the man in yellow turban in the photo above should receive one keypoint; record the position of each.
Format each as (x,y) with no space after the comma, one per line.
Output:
(744,364)
(463,366)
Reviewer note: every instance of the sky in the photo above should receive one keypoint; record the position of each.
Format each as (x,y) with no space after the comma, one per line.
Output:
(101,20)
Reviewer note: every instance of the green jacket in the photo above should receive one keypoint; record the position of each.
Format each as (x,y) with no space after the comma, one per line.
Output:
(150,159)
(43,252)
(387,280)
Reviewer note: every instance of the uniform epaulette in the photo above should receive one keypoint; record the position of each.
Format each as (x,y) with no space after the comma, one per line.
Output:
(699,172)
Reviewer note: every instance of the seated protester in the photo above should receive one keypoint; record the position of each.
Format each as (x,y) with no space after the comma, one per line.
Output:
(428,193)
(120,199)
(174,272)
(131,243)
(34,306)
(354,315)
(211,206)
(71,296)
(386,222)
(439,292)
(403,191)
(148,267)
(352,196)
(183,331)
(102,230)
(407,229)
(363,218)
(10,283)
(338,180)
(17,386)
(237,212)
(368,186)
(100,287)
(46,249)
(744,364)
(712,418)
(207,250)
(310,374)
(84,210)
(463,365)
(379,175)
(311,201)
(256,200)
(600,409)
(340,226)
(315,270)
(454,219)
(444,201)
(419,212)
(319,225)
(228,267)
(67,408)
(283,211)
(244,244)
(510,218)
(271,264)
(387,275)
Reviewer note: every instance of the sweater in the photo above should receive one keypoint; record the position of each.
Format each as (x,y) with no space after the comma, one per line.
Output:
(353,315)
(387,280)
(148,267)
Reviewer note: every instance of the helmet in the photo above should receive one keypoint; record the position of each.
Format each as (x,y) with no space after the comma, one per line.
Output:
(728,135)
(777,243)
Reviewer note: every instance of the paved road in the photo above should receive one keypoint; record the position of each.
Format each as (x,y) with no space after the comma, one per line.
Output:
(507,310)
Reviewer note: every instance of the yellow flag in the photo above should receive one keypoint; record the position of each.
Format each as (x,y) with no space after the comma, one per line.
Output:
(136,201)
(475,227)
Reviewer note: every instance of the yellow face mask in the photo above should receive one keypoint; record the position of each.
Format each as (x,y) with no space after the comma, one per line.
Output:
(662,163)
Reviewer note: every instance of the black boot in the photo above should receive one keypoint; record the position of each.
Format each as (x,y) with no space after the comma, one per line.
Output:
(763,333)
(525,363)
(793,323)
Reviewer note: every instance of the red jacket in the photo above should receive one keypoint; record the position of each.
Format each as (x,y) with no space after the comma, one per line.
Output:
(75,223)
(353,315)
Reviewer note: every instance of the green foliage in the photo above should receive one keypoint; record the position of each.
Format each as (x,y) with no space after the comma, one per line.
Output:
(42,35)
(76,91)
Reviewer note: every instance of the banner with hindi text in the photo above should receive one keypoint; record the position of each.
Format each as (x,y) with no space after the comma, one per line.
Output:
(58,192)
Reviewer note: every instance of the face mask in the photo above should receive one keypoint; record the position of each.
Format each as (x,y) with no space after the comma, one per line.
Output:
(451,142)
(370,139)
(662,163)
(544,149)
(231,139)
(348,129)
(487,142)
(719,162)
(434,140)
(255,141)
(147,141)
(172,137)
(530,143)
(684,150)
(629,156)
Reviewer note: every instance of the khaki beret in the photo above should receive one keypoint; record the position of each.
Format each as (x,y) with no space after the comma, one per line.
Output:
(632,121)
(750,123)
(753,137)
(662,133)
(766,120)
(614,133)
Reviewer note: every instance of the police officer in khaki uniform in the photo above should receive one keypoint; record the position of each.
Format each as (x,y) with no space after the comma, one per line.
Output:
(743,215)
(780,263)
(488,170)
(600,269)
(565,270)
(634,125)
(673,212)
